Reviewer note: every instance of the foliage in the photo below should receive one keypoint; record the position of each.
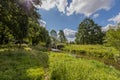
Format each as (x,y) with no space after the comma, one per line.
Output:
(30,7)
(66,67)
(14,18)
(53,34)
(62,37)
(54,39)
(89,33)
(19,26)
(35,74)
(5,34)
(112,37)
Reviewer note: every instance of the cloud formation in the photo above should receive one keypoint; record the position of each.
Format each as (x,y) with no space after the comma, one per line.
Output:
(70,34)
(86,7)
(95,15)
(107,27)
(49,4)
(115,19)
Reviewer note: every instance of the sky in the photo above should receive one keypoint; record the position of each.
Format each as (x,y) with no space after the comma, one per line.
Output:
(66,15)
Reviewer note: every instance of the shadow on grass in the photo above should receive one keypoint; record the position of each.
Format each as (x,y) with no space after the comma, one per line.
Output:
(22,65)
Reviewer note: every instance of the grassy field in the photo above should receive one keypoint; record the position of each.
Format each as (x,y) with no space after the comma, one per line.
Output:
(22,64)
(66,67)
(107,55)
(36,63)
(93,50)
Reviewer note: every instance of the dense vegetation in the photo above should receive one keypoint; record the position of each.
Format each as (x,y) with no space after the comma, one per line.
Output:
(89,33)
(22,64)
(93,50)
(112,37)
(19,23)
(25,47)
(66,67)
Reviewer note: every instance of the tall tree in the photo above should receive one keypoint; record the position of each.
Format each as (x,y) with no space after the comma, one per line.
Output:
(53,34)
(89,33)
(5,34)
(30,7)
(37,33)
(54,40)
(62,37)
(14,18)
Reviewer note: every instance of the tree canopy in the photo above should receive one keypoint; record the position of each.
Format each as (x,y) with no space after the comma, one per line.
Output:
(62,37)
(112,37)
(89,33)
(19,22)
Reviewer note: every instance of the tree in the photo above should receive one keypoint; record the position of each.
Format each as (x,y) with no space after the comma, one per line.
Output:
(89,33)
(30,7)
(53,34)
(62,37)
(54,40)
(112,37)
(33,32)
(14,18)
(37,33)
(5,34)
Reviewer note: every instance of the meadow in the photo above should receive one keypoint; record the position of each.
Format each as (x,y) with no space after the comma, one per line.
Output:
(22,64)
(66,67)
(93,50)
(108,55)
(37,63)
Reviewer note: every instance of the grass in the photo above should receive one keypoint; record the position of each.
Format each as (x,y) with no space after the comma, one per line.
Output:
(107,55)
(93,50)
(20,64)
(36,63)
(66,67)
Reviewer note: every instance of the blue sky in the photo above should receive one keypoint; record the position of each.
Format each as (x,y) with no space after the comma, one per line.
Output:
(67,14)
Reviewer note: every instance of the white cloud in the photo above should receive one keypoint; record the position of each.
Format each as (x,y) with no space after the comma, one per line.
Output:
(107,27)
(88,7)
(115,19)
(61,5)
(42,23)
(95,15)
(70,34)
(49,4)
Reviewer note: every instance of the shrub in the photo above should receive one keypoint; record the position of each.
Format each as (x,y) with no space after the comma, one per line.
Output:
(35,74)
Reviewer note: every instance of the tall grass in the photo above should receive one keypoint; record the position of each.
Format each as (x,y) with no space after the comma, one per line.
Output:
(93,50)
(19,64)
(66,67)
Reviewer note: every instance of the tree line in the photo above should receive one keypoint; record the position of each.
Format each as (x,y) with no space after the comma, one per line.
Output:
(19,23)
(91,33)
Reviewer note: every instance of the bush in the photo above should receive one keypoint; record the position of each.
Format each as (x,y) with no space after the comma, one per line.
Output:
(35,74)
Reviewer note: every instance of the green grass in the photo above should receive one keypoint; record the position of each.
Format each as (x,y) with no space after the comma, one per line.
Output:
(93,50)
(66,67)
(19,64)
(34,63)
